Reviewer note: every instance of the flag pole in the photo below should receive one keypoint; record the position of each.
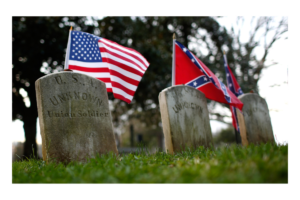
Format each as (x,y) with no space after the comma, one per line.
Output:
(224,55)
(66,68)
(173,61)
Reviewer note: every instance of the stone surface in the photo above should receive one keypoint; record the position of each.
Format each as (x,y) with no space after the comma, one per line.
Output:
(74,116)
(185,118)
(257,122)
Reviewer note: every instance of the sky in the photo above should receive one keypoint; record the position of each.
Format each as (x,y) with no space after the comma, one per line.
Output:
(275,75)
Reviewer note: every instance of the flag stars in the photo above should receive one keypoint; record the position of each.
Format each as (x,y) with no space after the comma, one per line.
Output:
(184,49)
(195,83)
(193,60)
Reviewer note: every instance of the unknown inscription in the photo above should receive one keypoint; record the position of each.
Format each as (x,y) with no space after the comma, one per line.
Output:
(187,105)
(80,113)
(74,117)
(60,98)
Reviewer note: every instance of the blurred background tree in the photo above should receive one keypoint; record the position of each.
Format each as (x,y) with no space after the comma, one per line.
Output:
(39,45)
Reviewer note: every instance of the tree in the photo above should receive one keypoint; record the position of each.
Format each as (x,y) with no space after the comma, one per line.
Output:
(39,45)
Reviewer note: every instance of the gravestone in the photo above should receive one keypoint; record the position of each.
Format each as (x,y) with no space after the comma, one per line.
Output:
(255,122)
(185,118)
(74,116)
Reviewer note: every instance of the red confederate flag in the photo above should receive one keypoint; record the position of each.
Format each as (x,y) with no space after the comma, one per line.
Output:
(236,89)
(189,70)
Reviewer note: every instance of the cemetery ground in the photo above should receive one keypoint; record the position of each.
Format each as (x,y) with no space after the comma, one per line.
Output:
(264,163)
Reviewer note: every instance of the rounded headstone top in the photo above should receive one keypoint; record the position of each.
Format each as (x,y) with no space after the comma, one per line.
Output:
(66,73)
(249,96)
(185,87)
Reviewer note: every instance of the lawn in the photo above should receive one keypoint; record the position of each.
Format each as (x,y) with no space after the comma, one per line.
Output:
(265,163)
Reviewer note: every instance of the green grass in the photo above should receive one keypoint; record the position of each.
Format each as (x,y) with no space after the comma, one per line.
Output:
(235,164)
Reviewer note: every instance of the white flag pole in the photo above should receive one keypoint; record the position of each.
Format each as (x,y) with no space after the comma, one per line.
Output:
(66,68)
(173,61)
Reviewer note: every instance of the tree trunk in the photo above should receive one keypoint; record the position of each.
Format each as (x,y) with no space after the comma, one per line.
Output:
(30,119)
(30,146)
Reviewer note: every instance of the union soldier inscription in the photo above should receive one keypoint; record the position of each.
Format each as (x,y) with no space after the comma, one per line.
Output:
(74,117)
(256,126)
(185,118)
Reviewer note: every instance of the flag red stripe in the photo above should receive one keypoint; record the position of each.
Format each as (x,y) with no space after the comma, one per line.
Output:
(87,69)
(125,78)
(105,80)
(122,66)
(129,54)
(104,50)
(117,96)
(122,87)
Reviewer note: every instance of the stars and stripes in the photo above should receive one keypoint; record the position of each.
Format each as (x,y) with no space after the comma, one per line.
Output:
(119,67)
(189,70)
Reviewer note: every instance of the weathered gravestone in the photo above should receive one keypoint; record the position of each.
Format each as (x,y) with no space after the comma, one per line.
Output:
(74,116)
(255,123)
(185,118)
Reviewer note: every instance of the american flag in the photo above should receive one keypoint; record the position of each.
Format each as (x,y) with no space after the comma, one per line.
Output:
(120,68)
(235,89)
